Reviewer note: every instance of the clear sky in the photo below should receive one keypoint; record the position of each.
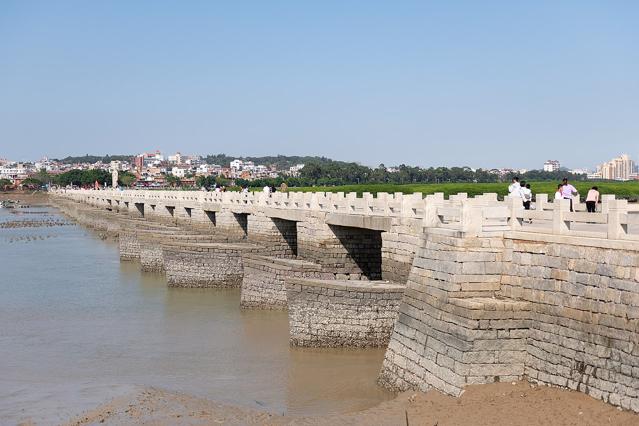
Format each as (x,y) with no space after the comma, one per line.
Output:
(477,83)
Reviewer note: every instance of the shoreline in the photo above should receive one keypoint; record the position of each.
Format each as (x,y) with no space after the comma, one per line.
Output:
(499,404)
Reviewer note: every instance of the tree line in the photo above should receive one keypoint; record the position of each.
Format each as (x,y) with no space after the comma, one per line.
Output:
(335,173)
(77,177)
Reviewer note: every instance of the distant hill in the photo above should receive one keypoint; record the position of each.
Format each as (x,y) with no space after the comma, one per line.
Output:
(281,161)
(95,158)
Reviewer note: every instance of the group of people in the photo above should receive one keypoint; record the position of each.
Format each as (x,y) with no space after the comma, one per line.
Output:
(521,190)
(565,191)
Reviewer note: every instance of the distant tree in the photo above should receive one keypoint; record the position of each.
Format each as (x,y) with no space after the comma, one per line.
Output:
(82,177)
(126,178)
(173,181)
(5,184)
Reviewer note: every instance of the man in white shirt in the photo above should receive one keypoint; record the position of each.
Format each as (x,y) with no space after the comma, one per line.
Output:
(514,188)
(526,195)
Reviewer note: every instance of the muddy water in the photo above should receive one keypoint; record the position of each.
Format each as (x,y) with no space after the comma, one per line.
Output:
(78,327)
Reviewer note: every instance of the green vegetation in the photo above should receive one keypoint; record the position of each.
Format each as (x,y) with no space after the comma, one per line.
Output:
(73,177)
(126,178)
(628,190)
(173,181)
(95,158)
(211,181)
(280,161)
(4,184)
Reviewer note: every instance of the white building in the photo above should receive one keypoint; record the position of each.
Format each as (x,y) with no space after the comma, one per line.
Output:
(178,172)
(175,159)
(237,164)
(579,171)
(14,171)
(551,166)
(202,170)
(295,170)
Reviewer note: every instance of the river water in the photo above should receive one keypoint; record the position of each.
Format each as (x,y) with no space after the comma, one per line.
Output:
(78,327)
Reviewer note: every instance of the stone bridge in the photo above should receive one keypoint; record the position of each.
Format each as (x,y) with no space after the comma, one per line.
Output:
(460,290)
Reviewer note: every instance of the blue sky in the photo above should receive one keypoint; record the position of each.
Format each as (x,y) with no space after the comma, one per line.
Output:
(484,84)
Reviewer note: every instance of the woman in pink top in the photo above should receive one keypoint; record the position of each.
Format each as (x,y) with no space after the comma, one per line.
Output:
(592,199)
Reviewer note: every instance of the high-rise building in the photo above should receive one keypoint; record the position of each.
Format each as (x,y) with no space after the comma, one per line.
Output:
(620,168)
(551,166)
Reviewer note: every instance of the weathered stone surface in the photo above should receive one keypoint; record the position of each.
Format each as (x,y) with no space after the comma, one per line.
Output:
(206,264)
(558,313)
(264,286)
(331,313)
(484,300)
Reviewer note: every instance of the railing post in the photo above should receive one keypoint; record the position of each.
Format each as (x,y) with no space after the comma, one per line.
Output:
(616,209)
(541,202)
(431,203)
(559,225)
(516,208)
(605,201)
(471,217)
(367,198)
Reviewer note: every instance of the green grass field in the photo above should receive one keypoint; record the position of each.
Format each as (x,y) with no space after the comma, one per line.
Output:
(627,190)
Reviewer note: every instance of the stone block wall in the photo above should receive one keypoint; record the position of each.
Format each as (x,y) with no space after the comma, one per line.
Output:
(203,220)
(350,253)
(562,313)
(151,253)
(450,331)
(159,212)
(278,236)
(128,245)
(151,258)
(232,224)
(330,313)
(263,286)
(205,264)
(398,248)
(585,305)
(447,344)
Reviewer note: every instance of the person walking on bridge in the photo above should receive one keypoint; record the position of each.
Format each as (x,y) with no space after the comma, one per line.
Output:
(592,199)
(568,191)
(514,187)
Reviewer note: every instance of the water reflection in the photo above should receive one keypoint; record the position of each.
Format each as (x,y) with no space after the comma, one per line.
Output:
(79,326)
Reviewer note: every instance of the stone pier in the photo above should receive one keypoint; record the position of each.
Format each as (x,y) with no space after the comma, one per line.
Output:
(333,313)
(264,285)
(151,246)
(206,265)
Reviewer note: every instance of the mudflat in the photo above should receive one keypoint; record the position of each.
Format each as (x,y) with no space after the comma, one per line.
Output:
(499,404)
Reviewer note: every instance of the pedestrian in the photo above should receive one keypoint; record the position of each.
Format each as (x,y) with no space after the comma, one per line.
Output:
(513,188)
(526,195)
(267,189)
(568,191)
(558,194)
(592,199)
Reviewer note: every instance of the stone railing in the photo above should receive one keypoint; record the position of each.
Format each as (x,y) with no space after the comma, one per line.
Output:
(482,215)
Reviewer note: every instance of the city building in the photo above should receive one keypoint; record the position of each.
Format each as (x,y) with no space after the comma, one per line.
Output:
(175,159)
(551,166)
(295,170)
(579,171)
(619,168)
